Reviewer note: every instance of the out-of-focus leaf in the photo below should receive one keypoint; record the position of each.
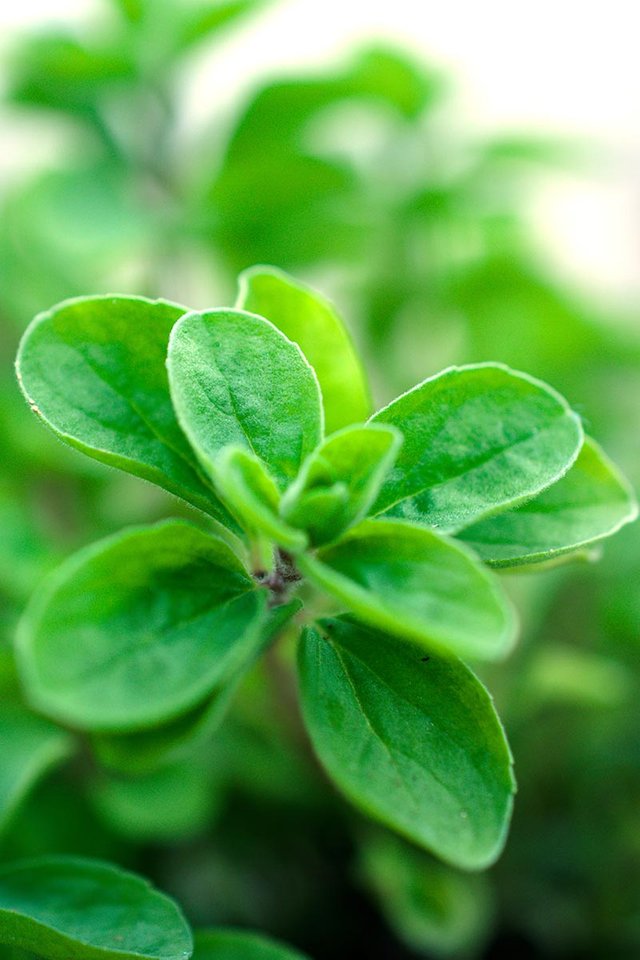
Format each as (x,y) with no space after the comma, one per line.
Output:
(432,907)
(240,945)
(31,746)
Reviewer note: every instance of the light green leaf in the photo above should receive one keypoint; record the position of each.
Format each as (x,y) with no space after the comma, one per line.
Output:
(415,583)
(237,381)
(477,440)
(240,945)
(64,908)
(94,370)
(412,740)
(432,907)
(339,481)
(309,320)
(253,495)
(591,502)
(139,628)
(31,746)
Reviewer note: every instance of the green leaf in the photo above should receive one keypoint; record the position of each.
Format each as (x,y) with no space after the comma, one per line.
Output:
(139,628)
(145,751)
(339,481)
(237,381)
(240,945)
(94,370)
(591,502)
(173,803)
(477,440)
(414,741)
(305,317)
(433,908)
(253,495)
(70,909)
(415,583)
(31,746)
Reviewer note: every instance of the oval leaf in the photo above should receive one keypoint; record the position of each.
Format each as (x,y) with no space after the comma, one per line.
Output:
(591,502)
(240,945)
(477,440)
(339,481)
(69,909)
(415,583)
(30,747)
(94,370)
(412,740)
(139,628)
(237,381)
(305,317)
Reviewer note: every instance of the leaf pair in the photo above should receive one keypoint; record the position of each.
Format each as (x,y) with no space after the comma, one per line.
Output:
(62,908)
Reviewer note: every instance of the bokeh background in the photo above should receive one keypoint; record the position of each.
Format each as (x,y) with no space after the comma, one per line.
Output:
(463,180)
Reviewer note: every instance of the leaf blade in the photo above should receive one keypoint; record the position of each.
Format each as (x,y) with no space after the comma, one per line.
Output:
(310,320)
(178,616)
(415,583)
(70,909)
(416,745)
(235,380)
(478,439)
(591,502)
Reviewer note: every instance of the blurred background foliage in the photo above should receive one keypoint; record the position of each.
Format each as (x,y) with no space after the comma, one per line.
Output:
(354,179)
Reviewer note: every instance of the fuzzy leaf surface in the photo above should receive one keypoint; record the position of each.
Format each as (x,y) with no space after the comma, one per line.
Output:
(477,440)
(93,370)
(413,582)
(413,741)
(237,381)
(339,481)
(591,502)
(63,908)
(139,628)
(308,319)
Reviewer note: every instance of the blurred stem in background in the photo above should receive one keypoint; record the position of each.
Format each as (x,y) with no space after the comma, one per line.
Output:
(351,177)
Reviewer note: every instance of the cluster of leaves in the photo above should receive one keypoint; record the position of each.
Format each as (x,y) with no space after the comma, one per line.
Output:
(436,263)
(259,416)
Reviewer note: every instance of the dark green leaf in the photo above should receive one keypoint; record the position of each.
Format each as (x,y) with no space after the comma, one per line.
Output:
(311,321)
(139,628)
(414,741)
(415,583)
(237,381)
(68,909)
(591,502)
(477,440)
(240,945)
(339,481)
(94,370)
(246,487)
(30,747)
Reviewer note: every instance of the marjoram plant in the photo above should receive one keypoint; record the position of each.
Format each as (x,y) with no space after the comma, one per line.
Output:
(373,536)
